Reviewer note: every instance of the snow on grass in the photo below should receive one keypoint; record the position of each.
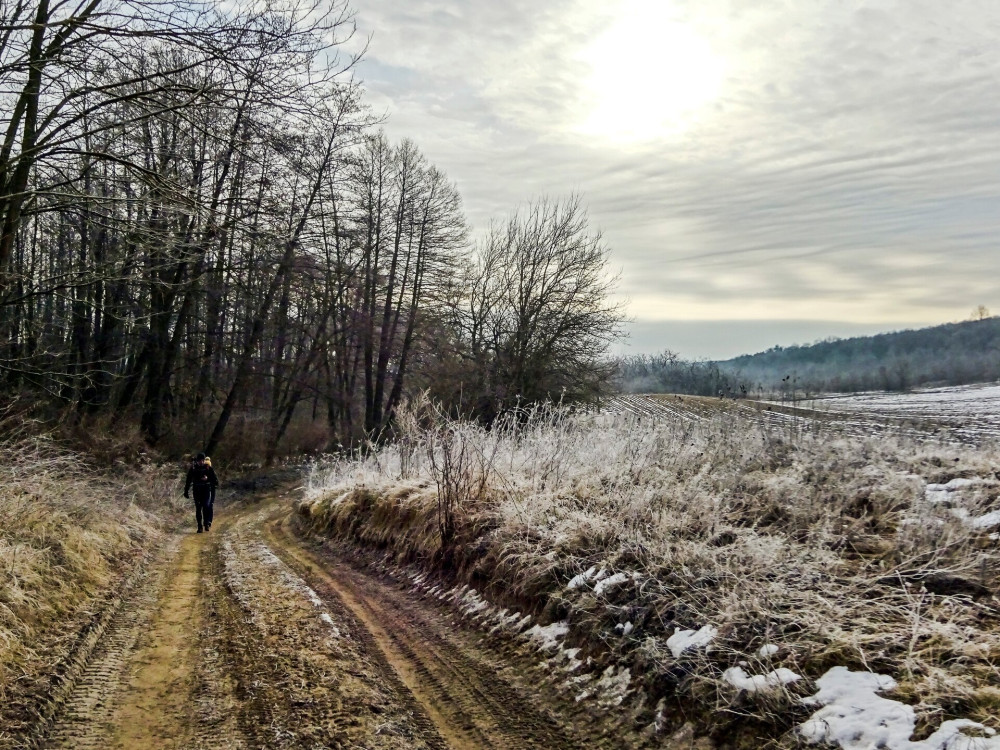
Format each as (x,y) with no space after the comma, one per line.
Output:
(807,536)
(739,679)
(856,717)
(684,640)
(963,504)
(767,650)
(547,637)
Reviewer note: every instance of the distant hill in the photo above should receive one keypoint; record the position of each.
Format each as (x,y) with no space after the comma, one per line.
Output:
(950,354)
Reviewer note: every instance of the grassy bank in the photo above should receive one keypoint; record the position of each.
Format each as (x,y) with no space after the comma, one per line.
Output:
(780,552)
(68,536)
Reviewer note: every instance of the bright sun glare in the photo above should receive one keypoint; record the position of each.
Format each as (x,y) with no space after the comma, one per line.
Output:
(650,75)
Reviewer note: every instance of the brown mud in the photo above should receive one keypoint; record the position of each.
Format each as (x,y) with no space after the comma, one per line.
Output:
(251,636)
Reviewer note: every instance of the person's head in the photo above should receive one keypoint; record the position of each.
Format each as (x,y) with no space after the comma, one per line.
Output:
(200,458)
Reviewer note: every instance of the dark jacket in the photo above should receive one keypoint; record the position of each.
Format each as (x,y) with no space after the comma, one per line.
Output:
(202,478)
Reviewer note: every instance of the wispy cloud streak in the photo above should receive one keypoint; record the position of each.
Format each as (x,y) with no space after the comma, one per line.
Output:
(849,168)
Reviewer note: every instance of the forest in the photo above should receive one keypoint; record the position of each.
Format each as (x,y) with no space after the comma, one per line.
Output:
(945,355)
(207,241)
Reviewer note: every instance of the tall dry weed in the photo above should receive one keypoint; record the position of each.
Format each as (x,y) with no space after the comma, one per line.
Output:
(823,544)
(66,533)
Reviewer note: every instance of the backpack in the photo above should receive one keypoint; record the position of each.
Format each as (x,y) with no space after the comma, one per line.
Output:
(204,466)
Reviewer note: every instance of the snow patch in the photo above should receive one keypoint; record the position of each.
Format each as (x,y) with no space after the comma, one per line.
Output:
(610,689)
(521,624)
(578,580)
(613,686)
(987,521)
(752,684)
(547,638)
(855,717)
(954,484)
(325,617)
(565,660)
(610,582)
(767,650)
(233,556)
(471,603)
(683,640)
(949,492)
(513,621)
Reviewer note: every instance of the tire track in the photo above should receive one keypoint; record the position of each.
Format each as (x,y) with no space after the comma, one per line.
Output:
(306,671)
(85,717)
(223,642)
(472,706)
(157,676)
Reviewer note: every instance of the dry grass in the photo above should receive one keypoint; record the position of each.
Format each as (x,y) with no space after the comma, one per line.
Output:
(820,543)
(66,535)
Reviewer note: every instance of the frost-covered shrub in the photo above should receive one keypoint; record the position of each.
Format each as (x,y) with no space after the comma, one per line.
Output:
(834,547)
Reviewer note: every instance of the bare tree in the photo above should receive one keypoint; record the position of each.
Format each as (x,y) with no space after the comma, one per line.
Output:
(319,152)
(401,244)
(536,317)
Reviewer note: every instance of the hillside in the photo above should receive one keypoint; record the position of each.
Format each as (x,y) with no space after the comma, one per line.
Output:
(950,354)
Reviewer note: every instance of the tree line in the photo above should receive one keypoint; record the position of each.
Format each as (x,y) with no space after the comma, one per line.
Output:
(202,221)
(946,355)
(666,372)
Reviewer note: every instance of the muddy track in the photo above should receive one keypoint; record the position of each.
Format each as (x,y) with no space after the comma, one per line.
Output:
(456,682)
(83,718)
(249,637)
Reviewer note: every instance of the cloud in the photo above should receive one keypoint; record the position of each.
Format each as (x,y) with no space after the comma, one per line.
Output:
(848,164)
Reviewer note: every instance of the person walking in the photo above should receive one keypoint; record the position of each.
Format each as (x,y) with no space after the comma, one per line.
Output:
(201,478)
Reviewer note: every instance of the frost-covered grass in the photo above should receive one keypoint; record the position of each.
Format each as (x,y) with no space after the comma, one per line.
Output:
(715,557)
(66,534)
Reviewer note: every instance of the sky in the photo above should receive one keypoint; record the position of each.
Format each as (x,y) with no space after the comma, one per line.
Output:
(764,172)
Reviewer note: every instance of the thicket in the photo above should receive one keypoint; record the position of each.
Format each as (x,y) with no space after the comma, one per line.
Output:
(828,547)
(668,373)
(205,234)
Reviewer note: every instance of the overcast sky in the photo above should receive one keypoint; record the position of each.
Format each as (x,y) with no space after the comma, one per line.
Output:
(764,172)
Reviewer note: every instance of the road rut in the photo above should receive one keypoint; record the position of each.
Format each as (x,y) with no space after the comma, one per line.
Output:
(250,636)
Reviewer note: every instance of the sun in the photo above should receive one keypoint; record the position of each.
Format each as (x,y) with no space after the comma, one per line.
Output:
(650,77)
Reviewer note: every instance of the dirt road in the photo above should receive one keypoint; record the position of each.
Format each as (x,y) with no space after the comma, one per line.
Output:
(250,636)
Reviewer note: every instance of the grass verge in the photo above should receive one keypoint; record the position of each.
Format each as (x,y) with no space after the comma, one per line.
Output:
(797,550)
(68,535)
